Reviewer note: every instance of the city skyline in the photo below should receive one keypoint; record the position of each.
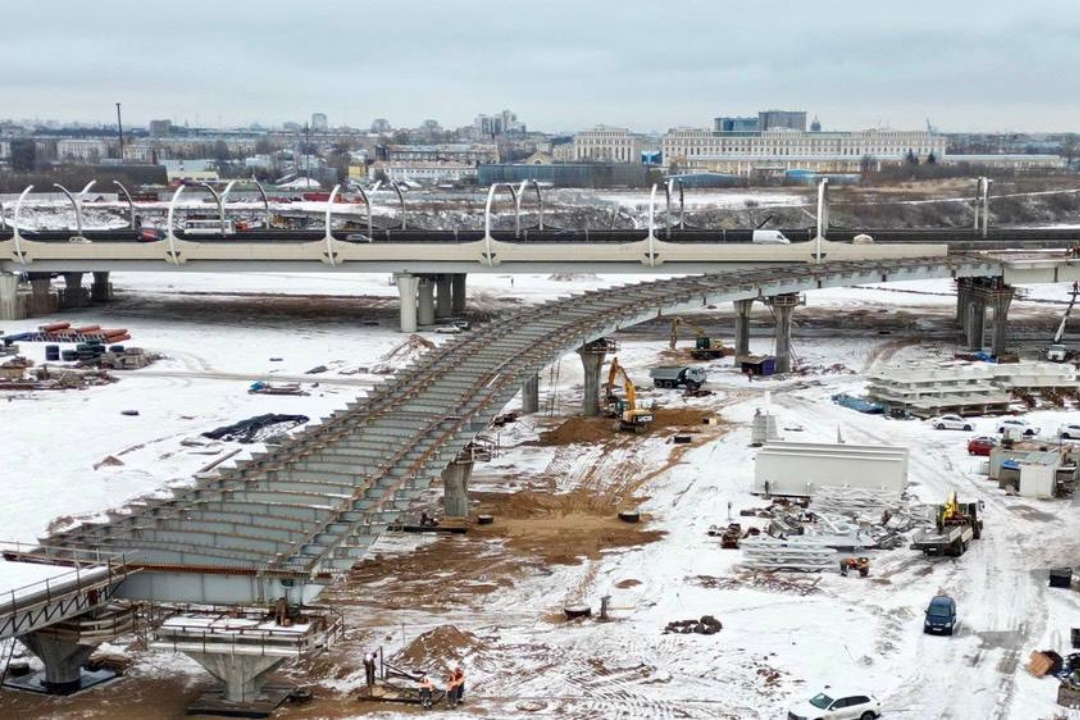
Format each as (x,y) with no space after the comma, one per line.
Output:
(649,69)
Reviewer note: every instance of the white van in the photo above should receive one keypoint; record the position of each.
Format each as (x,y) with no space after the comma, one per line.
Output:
(770,237)
(208,227)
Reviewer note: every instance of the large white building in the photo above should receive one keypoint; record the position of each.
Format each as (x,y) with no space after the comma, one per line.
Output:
(607,144)
(421,171)
(746,153)
(79,150)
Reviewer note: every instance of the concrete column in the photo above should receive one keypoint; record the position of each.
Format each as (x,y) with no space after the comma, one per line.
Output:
(742,328)
(530,396)
(444,304)
(965,288)
(425,314)
(783,337)
(592,360)
(9,297)
(101,290)
(242,675)
(41,298)
(457,285)
(1001,320)
(63,660)
(407,285)
(976,324)
(456,488)
(73,291)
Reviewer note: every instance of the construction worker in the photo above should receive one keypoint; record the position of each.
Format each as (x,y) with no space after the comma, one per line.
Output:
(451,689)
(369,668)
(426,689)
(459,684)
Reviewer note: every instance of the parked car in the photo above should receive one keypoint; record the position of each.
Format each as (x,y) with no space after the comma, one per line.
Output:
(950,422)
(940,616)
(831,705)
(1018,425)
(982,446)
(1071,432)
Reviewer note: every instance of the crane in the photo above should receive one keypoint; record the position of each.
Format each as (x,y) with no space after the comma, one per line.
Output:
(705,347)
(1056,352)
(631,417)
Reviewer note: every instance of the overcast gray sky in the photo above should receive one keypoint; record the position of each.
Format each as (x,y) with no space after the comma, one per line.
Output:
(965,64)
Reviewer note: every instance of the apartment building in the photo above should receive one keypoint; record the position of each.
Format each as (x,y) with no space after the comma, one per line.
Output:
(607,144)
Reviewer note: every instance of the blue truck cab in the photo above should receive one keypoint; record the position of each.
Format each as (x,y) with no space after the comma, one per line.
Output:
(940,616)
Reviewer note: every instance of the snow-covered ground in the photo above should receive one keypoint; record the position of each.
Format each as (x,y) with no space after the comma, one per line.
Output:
(776,645)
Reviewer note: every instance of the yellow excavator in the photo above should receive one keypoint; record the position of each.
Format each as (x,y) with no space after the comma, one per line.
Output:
(631,417)
(705,347)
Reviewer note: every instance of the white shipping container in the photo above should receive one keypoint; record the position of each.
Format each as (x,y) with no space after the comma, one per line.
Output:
(790,468)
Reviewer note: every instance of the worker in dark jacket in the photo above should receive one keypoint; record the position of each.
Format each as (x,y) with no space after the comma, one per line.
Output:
(459,685)
(426,688)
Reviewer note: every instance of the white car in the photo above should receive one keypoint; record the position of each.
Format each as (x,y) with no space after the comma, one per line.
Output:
(1017,425)
(1070,432)
(832,705)
(950,422)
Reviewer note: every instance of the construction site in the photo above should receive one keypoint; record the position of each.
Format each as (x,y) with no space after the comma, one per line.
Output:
(695,497)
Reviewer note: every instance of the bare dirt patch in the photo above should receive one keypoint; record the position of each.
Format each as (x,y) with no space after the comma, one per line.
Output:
(579,430)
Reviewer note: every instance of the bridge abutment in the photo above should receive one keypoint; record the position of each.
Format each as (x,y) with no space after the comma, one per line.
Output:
(407,286)
(73,294)
(101,290)
(530,396)
(457,288)
(444,305)
(425,313)
(742,328)
(592,360)
(456,487)
(43,301)
(10,307)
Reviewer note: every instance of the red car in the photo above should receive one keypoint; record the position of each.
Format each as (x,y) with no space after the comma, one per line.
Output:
(981,446)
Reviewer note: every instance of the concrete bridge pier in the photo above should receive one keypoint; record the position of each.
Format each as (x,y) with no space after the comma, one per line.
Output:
(42,299)
(742,328)
(407,285)
(73,295)
(457,286)
(592,360)
(101,290)
(243,677)
(530,396)
(783,307)
(1000,302)
(425,314)
(444,304)
(976,324)
(10,308)
(456,487)
(965,290)
(63,660)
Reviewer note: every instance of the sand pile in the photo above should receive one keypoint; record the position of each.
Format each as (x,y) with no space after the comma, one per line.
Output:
(439,649)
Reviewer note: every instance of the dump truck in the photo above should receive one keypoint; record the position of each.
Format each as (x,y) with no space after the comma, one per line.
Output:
(670,376)
(957,525)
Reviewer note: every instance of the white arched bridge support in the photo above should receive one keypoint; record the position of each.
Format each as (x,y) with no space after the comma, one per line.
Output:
(331,252)
(520,195)
(172,254)
(130,203)
(367,206)
(265,201)
(652,254)
(489,242)
(76,203)
(822,217)
(217,201)
(668,187)
(224,200)
(16,228)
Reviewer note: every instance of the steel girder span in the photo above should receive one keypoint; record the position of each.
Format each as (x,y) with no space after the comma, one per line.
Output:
(286,522)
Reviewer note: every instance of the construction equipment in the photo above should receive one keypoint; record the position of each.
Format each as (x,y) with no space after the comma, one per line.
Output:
(705,347)
(670,376)
(631,417)
(957,525)
(1056,352)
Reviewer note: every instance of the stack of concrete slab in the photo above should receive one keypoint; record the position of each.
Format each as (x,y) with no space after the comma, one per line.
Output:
(924,390)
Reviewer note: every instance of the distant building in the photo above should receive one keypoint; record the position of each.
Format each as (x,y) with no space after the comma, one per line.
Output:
(5,150)
(538,158)
(381,126)
(583,175)
(782,119)
(562,151)
(160,128)
(504,123)
(816,125)
(80,150)
(191,170)
(735,124)
(319,123)
(778,151)
(607,144)
(1021,161)
(420,171)
(467,153)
